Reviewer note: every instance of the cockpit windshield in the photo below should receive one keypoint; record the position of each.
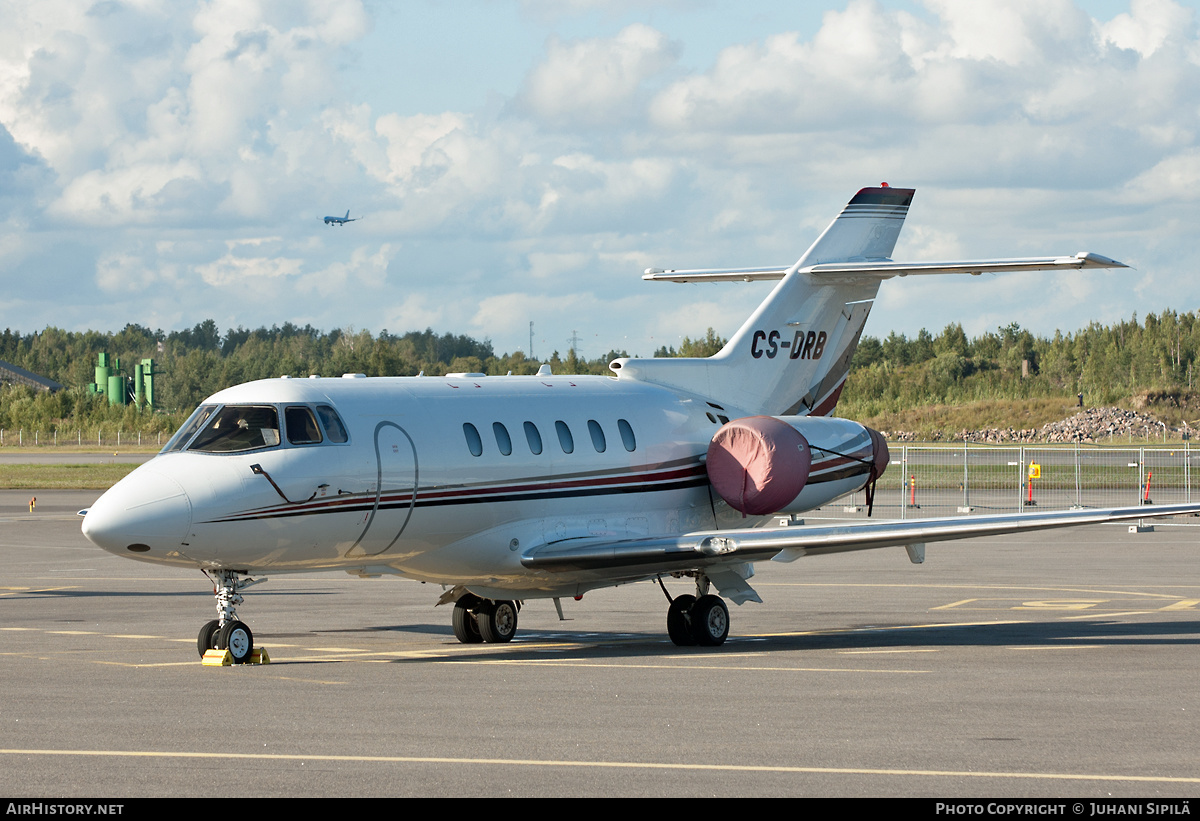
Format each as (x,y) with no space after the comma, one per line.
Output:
(189,428)
(239,427)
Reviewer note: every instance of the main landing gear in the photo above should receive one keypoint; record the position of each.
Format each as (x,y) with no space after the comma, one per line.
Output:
(701,620)
(477,619)
(226,632)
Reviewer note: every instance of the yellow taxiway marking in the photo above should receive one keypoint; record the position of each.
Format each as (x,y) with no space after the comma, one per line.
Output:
(130,636)
(1023,647)
(13,591)
(1105,614)
(558,663)
(71,633)
(622,765)
(156,664)
(1087,590)
(1185,604)
(954,604)
(881,628)
(876,652)
(1072,604)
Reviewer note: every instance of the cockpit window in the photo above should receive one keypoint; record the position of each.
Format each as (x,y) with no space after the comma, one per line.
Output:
(239,427)
(334,429)
(301,425)
(189,428)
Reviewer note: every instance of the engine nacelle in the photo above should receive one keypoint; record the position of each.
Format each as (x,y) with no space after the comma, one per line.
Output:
(789,464)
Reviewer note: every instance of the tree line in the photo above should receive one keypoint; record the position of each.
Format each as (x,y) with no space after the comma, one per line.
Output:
(1105,363)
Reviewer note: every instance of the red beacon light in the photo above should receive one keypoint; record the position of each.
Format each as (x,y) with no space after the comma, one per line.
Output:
(883,185)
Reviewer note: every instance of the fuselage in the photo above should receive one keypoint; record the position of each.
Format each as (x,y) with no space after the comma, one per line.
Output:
(441,479)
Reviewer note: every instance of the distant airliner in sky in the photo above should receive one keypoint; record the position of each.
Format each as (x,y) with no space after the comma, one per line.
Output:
(341,220)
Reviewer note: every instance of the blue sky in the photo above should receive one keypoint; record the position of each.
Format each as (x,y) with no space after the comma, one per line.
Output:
(164,163)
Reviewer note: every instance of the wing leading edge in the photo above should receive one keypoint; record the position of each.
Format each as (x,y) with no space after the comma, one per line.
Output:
(706,548)
(886,269)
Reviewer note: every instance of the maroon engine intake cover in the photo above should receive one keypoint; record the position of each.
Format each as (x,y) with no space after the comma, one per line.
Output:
(758,464)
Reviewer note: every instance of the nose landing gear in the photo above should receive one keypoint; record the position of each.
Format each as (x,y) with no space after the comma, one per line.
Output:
(226,632)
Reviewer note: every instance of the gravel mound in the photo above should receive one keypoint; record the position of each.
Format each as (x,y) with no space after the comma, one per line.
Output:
(1091,425)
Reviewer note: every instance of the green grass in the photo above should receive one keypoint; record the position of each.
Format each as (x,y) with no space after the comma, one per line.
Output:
(66,477)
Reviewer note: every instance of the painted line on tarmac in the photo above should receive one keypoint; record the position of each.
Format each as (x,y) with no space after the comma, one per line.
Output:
(639,765)
(1092,590)
(28,591)
(1025,647)
(709,667)
(1103,614)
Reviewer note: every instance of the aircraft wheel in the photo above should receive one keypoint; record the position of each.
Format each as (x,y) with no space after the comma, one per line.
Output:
(206,640)
(677,621)
(710,621)
(498,623)
(237,639)
(466,626)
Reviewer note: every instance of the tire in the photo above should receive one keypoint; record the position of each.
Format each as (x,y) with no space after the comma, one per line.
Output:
(710,621)
(237,639)
(498,622)
(207,639)
(678,627)
(466,626)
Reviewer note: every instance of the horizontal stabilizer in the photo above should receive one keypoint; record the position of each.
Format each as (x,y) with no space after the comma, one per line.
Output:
(716,274)
(701,549)
(887,269)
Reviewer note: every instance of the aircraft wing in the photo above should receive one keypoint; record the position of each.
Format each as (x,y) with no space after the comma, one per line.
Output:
(704,548)
(887,268)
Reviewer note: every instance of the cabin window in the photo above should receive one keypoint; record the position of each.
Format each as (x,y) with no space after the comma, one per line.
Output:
(565,440)
(502,439)
(474,442)
(238,428)
(597,436)
(193,424)
(334,429)
(534,437)
(627,437)
(301,426)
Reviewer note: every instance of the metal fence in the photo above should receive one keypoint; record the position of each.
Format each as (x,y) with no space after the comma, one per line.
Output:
(99,437)
(926,481)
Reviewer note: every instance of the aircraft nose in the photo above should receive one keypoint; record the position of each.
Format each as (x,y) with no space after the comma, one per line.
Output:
(146,511)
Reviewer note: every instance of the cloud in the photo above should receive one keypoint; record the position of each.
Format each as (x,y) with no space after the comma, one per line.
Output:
(247,271)
(594,81)
(195,148)
(1149,25)
(365,270)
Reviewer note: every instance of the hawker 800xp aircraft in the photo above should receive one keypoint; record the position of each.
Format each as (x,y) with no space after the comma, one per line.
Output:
(506,489)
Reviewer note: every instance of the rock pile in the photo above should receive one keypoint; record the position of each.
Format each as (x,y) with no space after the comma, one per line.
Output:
(1091,425)
(1096,424)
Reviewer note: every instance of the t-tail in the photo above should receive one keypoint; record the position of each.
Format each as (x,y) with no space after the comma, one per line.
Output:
(792,356)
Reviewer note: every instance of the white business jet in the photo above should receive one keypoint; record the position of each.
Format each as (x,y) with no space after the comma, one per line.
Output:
(507,489)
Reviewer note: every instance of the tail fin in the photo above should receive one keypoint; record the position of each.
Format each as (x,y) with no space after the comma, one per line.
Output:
(347,214)
(792,355)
